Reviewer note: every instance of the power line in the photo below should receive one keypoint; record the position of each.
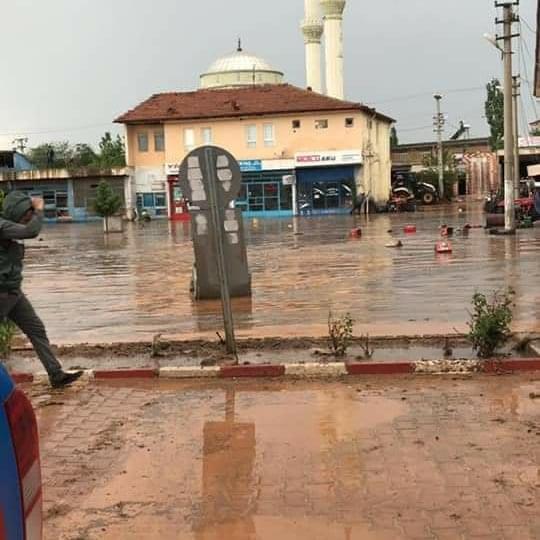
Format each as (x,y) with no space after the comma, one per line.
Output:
(424,94)
(414,129)
(524,48)
(45,132)
(524,119)
(529,27)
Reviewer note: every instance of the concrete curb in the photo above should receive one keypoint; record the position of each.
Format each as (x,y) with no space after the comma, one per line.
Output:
(189,372)
(308,370)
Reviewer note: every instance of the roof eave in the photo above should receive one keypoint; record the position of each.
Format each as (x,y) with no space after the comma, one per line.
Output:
(159,120)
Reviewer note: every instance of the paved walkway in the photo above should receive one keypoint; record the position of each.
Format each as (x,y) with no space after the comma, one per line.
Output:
(395,458)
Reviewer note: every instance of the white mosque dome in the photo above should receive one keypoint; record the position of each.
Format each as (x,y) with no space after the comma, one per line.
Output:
(240,68)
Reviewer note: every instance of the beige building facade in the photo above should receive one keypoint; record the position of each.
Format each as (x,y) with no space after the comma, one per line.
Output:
(299,151)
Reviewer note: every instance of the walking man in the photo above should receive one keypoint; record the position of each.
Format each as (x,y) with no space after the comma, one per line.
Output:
(22,218)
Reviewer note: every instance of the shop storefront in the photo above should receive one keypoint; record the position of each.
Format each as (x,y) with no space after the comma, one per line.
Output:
(263,192)
(68,199)
(326,181)
(177,204)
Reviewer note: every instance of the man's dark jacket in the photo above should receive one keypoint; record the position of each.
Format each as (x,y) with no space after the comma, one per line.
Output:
(16,204)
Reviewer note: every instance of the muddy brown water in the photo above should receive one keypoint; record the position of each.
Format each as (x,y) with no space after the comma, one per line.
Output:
(89,288)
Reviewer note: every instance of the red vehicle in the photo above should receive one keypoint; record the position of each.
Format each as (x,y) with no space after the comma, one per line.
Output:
(526,205)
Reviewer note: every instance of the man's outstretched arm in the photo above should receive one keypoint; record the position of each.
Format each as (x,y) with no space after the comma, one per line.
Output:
(10,230)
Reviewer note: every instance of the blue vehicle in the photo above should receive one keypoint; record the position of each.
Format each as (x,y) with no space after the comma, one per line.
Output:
(20,469)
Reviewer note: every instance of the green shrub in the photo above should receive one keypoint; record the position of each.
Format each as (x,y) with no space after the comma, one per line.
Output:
(7,333)
(107,202)
(490,321)
(340,333)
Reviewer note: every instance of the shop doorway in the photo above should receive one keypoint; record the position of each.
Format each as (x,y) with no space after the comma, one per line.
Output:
(329,190)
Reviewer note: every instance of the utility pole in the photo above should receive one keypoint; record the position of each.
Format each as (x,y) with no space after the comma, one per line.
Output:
(509,191)
(515,95)
(439,128)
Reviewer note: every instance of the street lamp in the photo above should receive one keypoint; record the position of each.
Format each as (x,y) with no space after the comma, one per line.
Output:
(490,38)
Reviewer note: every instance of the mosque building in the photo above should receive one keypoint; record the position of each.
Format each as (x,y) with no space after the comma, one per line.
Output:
(301,150)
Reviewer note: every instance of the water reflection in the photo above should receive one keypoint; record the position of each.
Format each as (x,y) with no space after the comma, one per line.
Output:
(228,502)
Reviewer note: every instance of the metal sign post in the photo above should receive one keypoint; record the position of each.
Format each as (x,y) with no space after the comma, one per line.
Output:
(211,179)
(218,219)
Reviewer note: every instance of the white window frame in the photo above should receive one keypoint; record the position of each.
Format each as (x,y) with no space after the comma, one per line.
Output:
(139,145)
(251,136)
(207,131)
(189,139)
(321,123)
(159,133)
(269,138)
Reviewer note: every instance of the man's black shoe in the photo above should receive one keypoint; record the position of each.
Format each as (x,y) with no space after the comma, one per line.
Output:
(65,379)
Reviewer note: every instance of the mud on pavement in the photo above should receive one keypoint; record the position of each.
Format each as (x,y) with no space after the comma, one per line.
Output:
(361,459)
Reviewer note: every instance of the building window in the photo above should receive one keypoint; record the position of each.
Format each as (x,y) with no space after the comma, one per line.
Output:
(269,136)
(159,141)
(142,140)
(296,124)
(152,200)
(251,136)
(206,134)
(264,192)
(160,200)
(349,122)
(189,139)
(321,124)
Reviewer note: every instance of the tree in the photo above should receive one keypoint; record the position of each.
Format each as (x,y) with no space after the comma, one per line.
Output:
(2,195)
(394,140)
(63,155)
(55,155)
(112,152)
(107,202)
(431,173)
(82,155)
(494,109)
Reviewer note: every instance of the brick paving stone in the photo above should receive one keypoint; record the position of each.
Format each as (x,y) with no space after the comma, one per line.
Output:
(123,459)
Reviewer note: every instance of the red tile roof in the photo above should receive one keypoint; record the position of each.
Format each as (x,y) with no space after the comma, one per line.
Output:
(237,102)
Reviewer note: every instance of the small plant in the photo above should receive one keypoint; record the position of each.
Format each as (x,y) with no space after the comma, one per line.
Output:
(159,346)
(490,321)
(367,350)
(107,202)
(340,332)
(7,333)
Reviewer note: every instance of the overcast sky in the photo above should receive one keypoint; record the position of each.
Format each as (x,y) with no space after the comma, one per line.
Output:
(69,67)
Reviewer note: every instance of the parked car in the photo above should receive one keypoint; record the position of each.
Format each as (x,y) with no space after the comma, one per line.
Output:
(20,468)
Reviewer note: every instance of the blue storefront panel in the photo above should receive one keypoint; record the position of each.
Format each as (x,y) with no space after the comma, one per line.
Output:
(326,190)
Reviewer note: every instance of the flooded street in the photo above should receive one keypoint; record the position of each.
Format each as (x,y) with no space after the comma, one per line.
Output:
(89,288)
(378,459)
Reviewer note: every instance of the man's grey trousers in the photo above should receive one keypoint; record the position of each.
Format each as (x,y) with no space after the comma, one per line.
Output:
(16,307)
